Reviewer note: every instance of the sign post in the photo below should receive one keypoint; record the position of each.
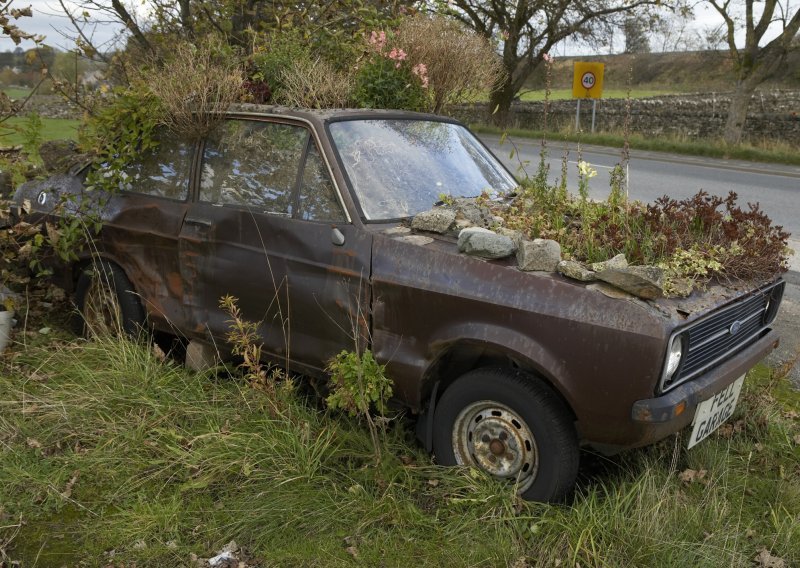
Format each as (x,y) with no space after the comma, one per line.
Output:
(587,83)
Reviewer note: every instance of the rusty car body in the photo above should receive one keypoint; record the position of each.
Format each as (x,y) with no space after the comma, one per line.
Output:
(507,370)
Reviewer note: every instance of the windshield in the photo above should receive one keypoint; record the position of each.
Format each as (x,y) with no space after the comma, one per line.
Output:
(399,168)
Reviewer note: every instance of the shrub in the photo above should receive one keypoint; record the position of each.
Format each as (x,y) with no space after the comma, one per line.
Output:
(194,85)
(271,59)
(314,84)
(458,63)
(384,83)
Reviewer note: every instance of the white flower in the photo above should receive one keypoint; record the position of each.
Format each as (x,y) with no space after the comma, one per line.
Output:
(586,169)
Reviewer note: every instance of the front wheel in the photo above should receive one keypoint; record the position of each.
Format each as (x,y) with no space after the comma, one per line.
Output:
(107,302)
(512,426)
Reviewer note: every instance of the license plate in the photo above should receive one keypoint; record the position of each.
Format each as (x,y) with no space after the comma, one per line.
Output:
(715,411)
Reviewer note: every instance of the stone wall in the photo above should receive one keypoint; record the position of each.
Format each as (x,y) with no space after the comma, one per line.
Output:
(773,115)
(51,106)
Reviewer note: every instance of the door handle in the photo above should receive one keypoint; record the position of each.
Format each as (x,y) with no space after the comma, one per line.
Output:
(198,221)
(337,237)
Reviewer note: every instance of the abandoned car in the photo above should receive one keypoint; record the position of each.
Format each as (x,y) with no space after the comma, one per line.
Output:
(304,216)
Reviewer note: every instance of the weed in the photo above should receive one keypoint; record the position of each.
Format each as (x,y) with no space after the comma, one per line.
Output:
(357,383)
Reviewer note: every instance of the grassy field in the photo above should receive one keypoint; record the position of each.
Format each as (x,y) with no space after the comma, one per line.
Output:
(52,129)
(110,454)
(16,92)
(561,94)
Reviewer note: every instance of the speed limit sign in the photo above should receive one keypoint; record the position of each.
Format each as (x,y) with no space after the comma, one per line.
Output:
(587,81)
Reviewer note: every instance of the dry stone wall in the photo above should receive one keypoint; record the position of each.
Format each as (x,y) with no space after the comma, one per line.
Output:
(773,115)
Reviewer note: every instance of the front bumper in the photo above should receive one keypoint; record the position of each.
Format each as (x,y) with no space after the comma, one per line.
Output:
(656,418)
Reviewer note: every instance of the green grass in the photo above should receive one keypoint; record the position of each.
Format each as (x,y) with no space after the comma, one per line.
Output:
(103,446)
(777,153)
(16,92)
(562,94)
(52,129)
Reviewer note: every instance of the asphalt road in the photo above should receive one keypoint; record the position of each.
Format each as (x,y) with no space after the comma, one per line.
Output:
(654,174)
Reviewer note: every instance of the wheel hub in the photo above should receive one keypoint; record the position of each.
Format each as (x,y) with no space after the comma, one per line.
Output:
(492,436)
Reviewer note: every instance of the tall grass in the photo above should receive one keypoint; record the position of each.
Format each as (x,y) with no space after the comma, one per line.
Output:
(105,446)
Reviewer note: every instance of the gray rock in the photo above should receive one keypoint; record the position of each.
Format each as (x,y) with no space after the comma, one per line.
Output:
(484,243)
(576,271)
(610,291)
(643,281)
(512,234)
(615,263)
(466,208)
(437,220)
(538,254)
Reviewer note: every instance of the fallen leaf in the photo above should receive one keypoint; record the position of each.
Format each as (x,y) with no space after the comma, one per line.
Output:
(352,551)
(797,439)
(67,493)
(791,415)
(33,443)
(45,331)
(26,206)
(406,460)
(765,559)
(693,476)
(433,482)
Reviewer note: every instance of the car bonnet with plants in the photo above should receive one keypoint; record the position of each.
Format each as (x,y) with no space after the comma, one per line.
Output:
(305,218)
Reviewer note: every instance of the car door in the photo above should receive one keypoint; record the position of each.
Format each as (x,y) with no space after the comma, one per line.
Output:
(142,223)
(269,228)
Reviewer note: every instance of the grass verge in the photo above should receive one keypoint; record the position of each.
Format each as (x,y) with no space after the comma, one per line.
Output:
(775,153)
(110,454)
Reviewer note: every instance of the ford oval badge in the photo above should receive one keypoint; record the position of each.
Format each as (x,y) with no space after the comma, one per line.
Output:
(735,327)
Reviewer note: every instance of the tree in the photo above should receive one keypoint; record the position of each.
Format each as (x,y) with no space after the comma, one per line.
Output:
(754,63)
(529,29)
(636,40)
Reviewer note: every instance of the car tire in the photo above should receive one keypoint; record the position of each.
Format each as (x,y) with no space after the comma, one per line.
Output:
(107,303)
(512,426)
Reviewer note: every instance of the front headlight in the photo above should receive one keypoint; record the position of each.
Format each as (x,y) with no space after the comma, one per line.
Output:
(674,357)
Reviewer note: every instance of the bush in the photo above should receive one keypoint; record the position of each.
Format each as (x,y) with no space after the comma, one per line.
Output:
(314,84)
(194,85)
(458,63)
(381,83)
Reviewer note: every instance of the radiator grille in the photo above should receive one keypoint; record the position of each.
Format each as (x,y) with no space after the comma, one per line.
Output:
(721,334)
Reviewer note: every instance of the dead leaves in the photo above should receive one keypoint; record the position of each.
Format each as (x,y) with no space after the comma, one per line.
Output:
(689,476)
(765,559)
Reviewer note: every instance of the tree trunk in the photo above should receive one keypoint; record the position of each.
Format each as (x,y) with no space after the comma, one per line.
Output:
(500,102)
(737,112)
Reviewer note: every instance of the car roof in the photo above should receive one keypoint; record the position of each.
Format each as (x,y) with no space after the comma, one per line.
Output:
(331,115)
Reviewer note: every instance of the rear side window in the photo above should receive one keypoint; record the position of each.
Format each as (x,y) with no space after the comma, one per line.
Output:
(162,172)
(253,164)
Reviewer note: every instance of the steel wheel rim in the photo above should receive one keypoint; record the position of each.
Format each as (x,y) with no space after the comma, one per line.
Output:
(493,437)
(101,310)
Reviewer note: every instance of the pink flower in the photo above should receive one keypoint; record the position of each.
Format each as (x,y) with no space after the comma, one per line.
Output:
(421,71)
(397,54)
(377,40)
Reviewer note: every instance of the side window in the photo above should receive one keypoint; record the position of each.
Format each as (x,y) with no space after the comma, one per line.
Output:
(162,172)
(317,200)
(254,164)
